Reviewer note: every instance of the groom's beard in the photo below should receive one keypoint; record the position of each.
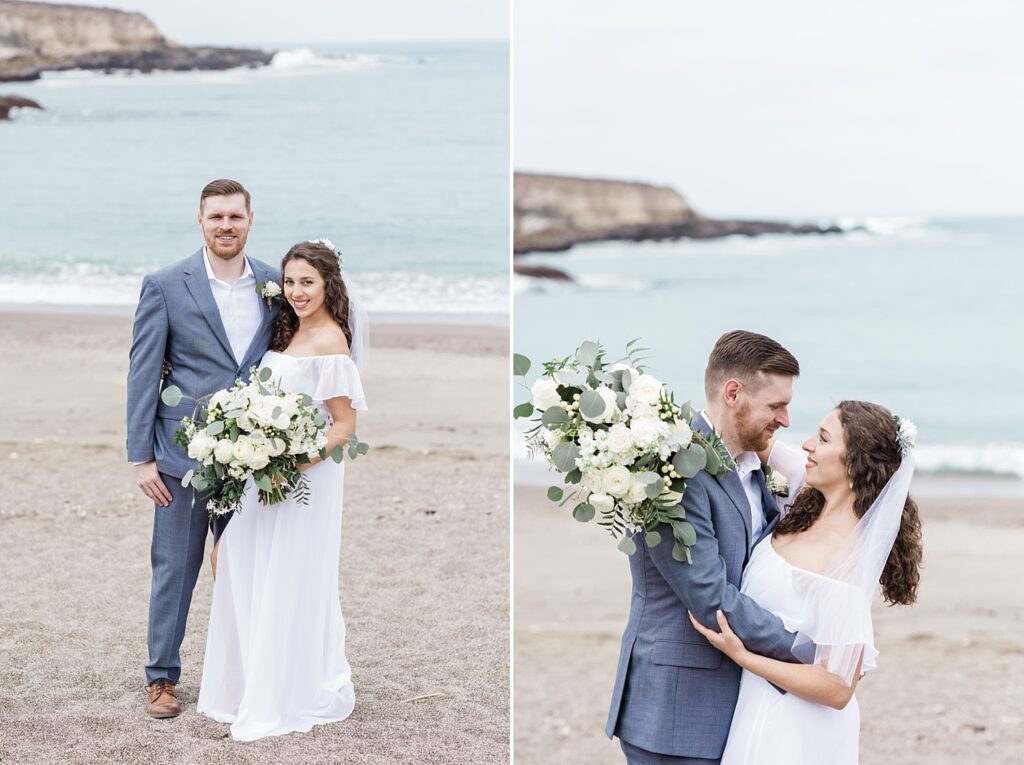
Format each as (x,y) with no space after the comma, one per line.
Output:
(228,252)
(751,437)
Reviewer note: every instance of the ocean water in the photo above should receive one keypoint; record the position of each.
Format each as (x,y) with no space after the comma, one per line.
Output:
(397,153)
(924,316)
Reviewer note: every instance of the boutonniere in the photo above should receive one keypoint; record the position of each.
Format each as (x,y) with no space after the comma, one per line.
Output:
(269,290)
(776,483)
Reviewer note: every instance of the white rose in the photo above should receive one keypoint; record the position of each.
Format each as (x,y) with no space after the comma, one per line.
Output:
(551,437)
(601,502)
(219,398)
(271,289)
(224,451)
(611,405)
(637,493)
(591,480)
(260,458)
(276,446)
(244,450)
(545,394)
(616,480)
(200,447)
(620,439)
(645,389)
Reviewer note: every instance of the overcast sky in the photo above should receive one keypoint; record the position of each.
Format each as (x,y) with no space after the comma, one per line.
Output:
(236,22)
(793,107)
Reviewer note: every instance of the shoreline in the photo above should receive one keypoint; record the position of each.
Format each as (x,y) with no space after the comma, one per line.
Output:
(467,319)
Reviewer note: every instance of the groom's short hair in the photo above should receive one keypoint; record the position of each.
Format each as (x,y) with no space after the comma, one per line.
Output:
(741,355)
(224,187)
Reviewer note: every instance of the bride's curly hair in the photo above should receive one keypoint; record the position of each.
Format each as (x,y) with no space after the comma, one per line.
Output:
(872,456)
(326,263)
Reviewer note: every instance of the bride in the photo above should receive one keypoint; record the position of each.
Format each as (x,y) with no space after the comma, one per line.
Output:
(275,652)
(851,527)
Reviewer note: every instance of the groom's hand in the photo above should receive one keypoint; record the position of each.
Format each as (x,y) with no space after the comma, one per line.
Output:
(148,478)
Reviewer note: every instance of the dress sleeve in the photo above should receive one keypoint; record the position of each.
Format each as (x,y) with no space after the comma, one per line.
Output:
(834,628)
(338,376)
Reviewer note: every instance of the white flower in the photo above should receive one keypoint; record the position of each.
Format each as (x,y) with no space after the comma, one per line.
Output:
(906,435)
(591,480)
(244,450)
(648,431)
(601,502)
(670,497)
(616,480)
(260,458)
(680,434)
(276,446)
(271,289)
(611,406)
(551,437)
(637,493)
(224,451)
(201,447)
(545,394)
(619,440)
(646,389)
(777,484)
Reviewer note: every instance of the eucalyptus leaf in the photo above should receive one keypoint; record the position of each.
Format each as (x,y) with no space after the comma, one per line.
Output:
(647,478)
(690,461)
(606,377)
(680,553)
(714,462)
(362,447)
(523,410)
(187,478)
(565,455)
(652,538)
(305,399)
(654,490)
(591,404)
(569,378)
(234,414)
(264,374)
(583,512)
(554,415)
(171,395)
(276,413)
(573,476)
(520,365)
(627,545)
(587,353)
(318,419)
(685,532)
(215,428)
(263,482)
(338,453)
(353,452)
(555,493)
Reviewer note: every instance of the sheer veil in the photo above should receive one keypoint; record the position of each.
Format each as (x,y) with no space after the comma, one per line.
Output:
(358,324)
(835,628)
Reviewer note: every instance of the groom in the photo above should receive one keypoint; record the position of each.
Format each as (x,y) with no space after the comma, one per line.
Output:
(204,316)
(674,694)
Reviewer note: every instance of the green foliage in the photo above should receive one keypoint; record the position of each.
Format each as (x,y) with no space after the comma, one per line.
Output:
(523,410)
(171,395)
(520,365)
(555,493)
(583,512)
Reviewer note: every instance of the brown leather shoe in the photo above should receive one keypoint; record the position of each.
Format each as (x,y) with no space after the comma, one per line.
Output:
(163,700)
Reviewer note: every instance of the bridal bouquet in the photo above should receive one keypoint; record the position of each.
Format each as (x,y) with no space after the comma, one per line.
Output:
(624,446)
(254,430)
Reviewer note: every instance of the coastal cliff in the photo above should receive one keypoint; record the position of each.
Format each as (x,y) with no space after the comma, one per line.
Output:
(38,37)
(553,213)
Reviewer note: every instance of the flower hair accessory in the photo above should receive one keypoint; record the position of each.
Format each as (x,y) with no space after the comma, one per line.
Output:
(906,434)
(325,242)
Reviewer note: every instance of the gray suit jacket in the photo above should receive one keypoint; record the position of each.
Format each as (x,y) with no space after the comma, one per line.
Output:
(177,319)
(674,694)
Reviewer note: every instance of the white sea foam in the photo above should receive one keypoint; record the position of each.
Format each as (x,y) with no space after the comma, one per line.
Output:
(902,226)
(82,285)
(304,58)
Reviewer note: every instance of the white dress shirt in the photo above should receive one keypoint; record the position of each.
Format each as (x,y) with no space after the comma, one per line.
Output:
(746,464)
(238,305)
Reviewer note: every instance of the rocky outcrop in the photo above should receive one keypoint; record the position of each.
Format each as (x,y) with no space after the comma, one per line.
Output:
(9,102)
(38,37)
(552,213)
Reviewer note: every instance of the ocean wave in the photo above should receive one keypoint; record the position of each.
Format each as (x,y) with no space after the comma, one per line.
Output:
(901,226)
(1005,459)
(80,285)
(304,58)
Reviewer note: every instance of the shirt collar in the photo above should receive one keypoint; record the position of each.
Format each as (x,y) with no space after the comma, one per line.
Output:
(746,462)
(209,269)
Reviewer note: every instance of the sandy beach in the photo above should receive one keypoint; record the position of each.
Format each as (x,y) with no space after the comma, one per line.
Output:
(947,689)
(424,562)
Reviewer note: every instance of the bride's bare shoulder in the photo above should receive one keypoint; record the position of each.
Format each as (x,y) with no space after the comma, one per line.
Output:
(331,341)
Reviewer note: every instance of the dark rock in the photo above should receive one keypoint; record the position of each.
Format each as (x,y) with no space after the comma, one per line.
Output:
(553,213)
(9,102)
(541,272)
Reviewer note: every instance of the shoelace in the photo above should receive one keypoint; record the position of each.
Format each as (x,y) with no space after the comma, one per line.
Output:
(161,686)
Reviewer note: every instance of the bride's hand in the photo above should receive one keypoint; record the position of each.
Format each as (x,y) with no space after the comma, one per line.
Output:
(725,641)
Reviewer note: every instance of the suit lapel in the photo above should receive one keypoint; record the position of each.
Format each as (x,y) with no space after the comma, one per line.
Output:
(768,501)
(198,285)
(730,482)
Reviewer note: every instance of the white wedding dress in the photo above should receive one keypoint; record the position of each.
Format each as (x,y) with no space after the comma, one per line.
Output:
(275,652)
(774,728)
